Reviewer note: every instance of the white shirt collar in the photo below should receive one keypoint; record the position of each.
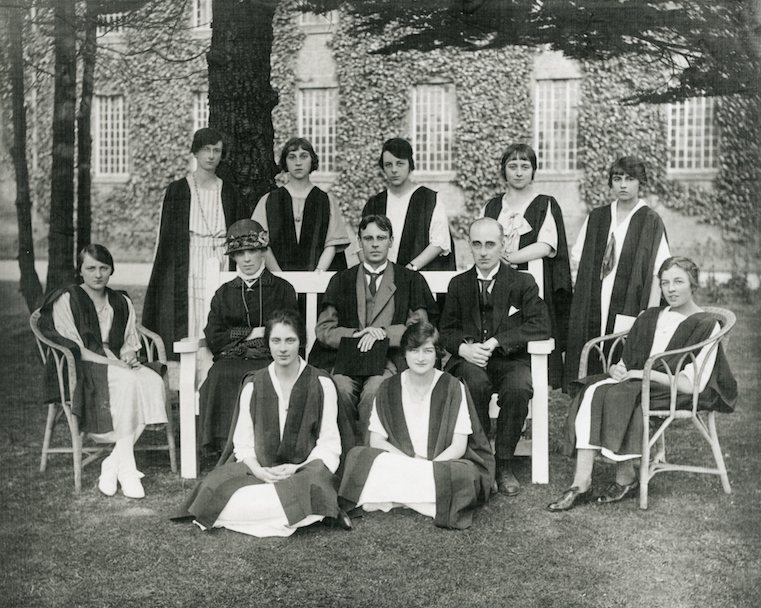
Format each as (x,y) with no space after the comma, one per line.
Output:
(381,268)
(490,276)
(248,279)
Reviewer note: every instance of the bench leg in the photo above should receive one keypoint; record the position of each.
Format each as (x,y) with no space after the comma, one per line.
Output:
(188,455)
(540,462)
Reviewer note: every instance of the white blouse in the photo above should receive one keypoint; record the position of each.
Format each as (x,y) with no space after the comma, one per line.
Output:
(396,211)
(515,225)
(328,446)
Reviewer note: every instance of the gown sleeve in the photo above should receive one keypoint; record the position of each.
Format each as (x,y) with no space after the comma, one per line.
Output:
(63,320)
(337,234)
(328,446)
(438,233)
(462,425)
(244,444)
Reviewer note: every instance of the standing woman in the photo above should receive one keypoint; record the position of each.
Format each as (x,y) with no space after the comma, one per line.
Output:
(427,449)
(534,229)
(306,228)
(115,397)
(287,447)
(619,250)
(195,215)
(424,242)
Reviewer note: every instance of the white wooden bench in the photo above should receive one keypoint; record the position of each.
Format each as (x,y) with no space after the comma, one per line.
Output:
(195,361)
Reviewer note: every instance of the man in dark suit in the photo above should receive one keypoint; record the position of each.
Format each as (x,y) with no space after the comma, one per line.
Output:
(371,301)
(491,312)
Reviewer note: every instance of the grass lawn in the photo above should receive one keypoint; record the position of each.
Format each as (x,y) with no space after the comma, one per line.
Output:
(695,546)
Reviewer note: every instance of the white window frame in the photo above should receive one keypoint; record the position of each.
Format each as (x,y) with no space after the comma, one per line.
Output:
(693,139)
(317,123)
(111,25)
(116,141)
(433,118)
(200,15)
(200,110)
(556,124)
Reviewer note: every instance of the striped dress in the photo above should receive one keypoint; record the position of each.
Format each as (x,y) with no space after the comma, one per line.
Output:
(207,240)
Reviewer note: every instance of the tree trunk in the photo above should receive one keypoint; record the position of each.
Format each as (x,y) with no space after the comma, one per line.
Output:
(241,97)
(84,121)
(61,237)
(30,282)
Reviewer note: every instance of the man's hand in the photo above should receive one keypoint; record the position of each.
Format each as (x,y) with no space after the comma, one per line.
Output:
(475,353)
(368,336)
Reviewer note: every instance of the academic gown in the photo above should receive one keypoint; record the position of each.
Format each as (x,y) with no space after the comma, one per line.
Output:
(460,485)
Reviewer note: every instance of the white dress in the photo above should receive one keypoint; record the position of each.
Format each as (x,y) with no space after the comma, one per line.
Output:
(401,481)
(207,241)
(619,232)
(136,396)
(256,510)
(667,324)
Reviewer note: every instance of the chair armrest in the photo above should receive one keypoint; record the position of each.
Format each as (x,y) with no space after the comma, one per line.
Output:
(60,355)
(189,345)
(541,347)
(598,344)
(152,342)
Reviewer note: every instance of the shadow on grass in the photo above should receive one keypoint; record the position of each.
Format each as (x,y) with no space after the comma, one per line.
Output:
(695,546)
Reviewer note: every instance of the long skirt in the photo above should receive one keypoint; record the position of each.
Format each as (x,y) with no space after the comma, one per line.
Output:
(400,481)
(218,397)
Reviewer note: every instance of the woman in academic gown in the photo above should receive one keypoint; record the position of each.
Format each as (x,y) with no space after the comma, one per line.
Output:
(534,229)
(306,227)
(420,221)
(427,450)
(116,396)
(606,415)
(195,215)
(287,447)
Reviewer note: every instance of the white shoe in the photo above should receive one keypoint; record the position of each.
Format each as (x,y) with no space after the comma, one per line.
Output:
(131,485)
(108,475)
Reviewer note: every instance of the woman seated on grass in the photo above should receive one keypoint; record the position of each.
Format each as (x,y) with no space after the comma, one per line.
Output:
(427,450)
(606,415)
(99,324)
(286,445)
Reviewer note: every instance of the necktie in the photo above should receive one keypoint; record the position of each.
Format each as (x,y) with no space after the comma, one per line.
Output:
(608,258)
(485,291)
(374,277)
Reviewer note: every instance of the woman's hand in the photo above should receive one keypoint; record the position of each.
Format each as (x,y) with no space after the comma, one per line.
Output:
(618,372)
(634,374)
(272,474)
(129,357)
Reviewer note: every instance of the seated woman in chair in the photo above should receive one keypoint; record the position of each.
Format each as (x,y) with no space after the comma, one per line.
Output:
(116,397)
(606,415)
(287,447)
(427,450)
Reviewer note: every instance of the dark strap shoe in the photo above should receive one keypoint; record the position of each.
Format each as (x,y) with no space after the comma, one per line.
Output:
(615,492)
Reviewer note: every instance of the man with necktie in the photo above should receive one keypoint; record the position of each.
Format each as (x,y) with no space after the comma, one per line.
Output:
(491,313)
(369,303)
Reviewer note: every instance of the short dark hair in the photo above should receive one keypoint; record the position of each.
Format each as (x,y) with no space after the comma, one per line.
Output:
(518,152)
(418,334)
(628,165)
(379,220)
(98,252)
(206,137)
(686,264)
(294,144)
(286,317)
(400,148)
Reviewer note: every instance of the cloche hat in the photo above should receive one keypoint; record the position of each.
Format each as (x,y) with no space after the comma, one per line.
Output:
(246,234)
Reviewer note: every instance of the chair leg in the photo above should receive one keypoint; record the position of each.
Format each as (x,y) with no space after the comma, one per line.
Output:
(49,424)
(76,451)
(644,464)
(717,455)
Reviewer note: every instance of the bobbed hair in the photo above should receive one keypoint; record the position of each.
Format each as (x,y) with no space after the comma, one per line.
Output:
(286,317)
(296,143)
(628,165)
(418,334)
(518,152)
(379,220)
(207,137)
(99,253)
(400,148)
(686,264)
